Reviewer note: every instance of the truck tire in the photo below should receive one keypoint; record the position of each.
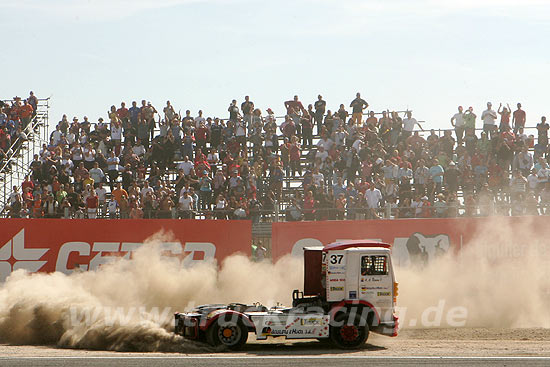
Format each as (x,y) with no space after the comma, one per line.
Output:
(349,333)
(229,333)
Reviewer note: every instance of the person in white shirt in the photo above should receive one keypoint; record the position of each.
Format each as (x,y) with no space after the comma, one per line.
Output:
(416,204)
(358,143)
(318,177)
(112,208)
(322,153)
(408,125)
(523,161)
(186,166)
(71,137)
(138,149)
(373,197)
(458,123)
(89,156)
(101,193)
(186,205)
(56,135)
(96,173)
(113,168)
(489,117)
(146,189)
(199,119)
(326,143)
(533,181)
(116,132)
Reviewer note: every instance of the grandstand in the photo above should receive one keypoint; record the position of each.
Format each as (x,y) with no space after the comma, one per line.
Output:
(381,167)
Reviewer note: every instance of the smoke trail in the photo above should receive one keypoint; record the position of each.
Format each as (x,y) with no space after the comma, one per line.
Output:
(129,305)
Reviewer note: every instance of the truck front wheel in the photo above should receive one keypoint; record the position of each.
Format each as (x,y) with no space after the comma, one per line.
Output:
(348,331)
(232,334)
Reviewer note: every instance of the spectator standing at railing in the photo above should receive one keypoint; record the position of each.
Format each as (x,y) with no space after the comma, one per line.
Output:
(27,112)
(489,117)
(247,107)
(373,196)
(169,112)
(458,122)
(504,117)
(357,107)
(233,110)
(199,119)
(372,121)
(295,108)
(186,205)
(64,124)
(470,120)
(92,203)
(33,101)
(518,119)
(147,113)
(542,141)
(320,108)
(408,125)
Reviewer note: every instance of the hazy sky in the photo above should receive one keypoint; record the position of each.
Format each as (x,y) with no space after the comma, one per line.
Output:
(427,55)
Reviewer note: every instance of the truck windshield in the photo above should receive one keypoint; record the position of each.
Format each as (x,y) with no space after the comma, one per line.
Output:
(374,265)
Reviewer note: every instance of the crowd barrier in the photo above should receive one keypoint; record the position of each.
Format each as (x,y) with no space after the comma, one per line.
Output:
(49,245)
(415,241)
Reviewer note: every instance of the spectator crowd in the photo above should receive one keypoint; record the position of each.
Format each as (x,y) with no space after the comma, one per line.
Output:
(311,164)
(14,119)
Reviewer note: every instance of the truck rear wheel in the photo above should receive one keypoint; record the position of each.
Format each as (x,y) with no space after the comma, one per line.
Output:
(232,334)
(350,332)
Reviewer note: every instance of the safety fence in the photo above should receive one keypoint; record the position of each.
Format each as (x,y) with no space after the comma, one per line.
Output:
(49,245)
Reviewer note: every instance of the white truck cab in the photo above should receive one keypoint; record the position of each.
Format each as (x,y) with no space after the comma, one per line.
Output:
(349,290)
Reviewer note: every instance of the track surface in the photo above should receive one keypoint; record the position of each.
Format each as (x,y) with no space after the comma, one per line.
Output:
(457,347)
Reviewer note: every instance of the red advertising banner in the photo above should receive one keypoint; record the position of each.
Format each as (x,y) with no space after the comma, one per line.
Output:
(413,240)
(49,245)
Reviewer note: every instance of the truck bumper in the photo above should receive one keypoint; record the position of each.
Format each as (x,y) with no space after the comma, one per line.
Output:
(387,328)
(186,326)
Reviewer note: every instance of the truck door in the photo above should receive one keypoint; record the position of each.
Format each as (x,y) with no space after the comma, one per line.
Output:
(375,282)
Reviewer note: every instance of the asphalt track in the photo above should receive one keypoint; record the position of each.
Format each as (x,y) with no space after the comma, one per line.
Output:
(298,361)
(427,347)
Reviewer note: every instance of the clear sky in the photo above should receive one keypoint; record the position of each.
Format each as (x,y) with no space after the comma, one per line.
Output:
(427,55)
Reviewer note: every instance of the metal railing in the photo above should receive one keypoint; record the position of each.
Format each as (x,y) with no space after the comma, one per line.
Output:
(21,152)
(500,208)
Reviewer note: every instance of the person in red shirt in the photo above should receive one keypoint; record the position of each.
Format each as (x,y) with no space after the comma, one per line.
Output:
(26,113)
(294,155)
(504,117)
(518,119)
(27,183)
(201,136)
(426,208)
(92,202)
(308,208)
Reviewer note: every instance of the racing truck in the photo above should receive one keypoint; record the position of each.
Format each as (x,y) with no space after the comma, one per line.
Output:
(349,291)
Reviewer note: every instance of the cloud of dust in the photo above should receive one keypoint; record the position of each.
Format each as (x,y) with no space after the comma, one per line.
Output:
(128,305)
(501,278)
